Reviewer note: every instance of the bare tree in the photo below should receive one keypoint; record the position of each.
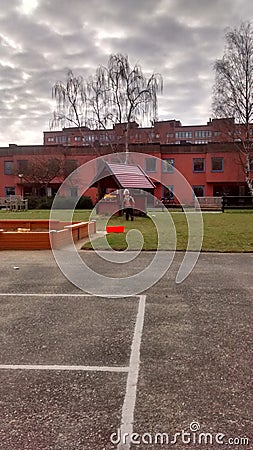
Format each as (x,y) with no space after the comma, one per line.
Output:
(70,100)
(116,93)
(132,96)
(40,171)
(233,92)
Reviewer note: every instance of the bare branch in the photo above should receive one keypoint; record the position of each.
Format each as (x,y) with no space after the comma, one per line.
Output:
(116,93)
(233,91)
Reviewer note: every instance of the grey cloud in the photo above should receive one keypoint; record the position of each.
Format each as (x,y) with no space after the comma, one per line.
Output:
(206,12)
(30,60)
(172,41)
(9,74)
(178,38)
(7,7)
(95,11)
(26,33)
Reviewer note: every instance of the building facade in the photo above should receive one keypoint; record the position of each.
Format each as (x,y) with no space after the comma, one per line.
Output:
(211,169)
(162,132)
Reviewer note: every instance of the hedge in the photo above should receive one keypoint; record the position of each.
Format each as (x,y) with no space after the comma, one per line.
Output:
(61,203)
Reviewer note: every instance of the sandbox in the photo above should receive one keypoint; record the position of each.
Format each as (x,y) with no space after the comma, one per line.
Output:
(42,234)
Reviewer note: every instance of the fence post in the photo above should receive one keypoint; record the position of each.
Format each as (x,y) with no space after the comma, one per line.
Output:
(222,204)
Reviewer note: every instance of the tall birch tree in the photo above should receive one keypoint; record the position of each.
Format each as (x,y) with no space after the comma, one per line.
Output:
(233,93)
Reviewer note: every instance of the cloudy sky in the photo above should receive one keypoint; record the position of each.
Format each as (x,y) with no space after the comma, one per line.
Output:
(41,39)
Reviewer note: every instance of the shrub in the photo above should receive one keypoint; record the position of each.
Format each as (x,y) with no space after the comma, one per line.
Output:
(62,203)
(84,203)
(35,202)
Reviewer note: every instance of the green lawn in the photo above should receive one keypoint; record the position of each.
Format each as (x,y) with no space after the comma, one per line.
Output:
(223,232)
(231,231)
(34,214)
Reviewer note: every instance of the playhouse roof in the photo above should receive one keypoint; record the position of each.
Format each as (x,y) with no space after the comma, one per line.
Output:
(125,176)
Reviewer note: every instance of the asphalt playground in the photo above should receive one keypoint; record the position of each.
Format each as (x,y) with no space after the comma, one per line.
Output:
(152,371)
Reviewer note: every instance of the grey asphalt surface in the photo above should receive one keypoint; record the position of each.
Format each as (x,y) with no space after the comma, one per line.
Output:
(195,360)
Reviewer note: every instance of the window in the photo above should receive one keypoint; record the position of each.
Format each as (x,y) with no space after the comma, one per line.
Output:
(62,139)
(198,165)
(22,166)
(217,164)
(50,139)
(78,138)
(168,165)
(170,137)
(91,137)
(168,192)
(183,134)
(150,164)
(199,191)
(8,167)
(73,191)
(9,190)
(203,134)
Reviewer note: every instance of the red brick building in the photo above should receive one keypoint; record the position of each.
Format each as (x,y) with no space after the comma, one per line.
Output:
(163,132)
(212,169)
(206,155)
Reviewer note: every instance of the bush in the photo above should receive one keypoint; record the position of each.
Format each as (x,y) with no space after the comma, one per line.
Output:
(84,203)
(62,203)
(39,202)
(46,203)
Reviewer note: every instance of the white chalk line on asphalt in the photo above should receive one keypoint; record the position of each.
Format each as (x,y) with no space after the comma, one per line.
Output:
(60,368)
(127,417)
(54,367)
(46,295)
(25,294)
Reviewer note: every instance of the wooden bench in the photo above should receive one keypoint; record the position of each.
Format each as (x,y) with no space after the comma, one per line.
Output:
(209,203)
(17,203)
(3,203)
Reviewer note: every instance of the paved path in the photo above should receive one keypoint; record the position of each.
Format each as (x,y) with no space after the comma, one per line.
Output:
(75,369)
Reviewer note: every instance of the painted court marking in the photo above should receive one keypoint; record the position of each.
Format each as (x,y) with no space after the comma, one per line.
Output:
(127,416)
(13,294)
(70,368)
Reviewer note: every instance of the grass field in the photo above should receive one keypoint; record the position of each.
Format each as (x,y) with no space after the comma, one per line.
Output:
(36,214)
(227,232)
(231,231)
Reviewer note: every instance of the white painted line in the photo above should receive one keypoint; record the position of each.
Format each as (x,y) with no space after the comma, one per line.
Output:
(60,368)
(25,294)
(127,416)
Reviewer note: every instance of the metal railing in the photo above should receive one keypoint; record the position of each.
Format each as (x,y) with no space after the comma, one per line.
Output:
(237,202)
(13,203)
(209,203)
